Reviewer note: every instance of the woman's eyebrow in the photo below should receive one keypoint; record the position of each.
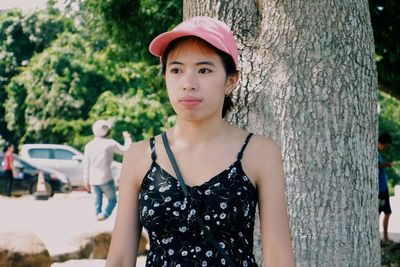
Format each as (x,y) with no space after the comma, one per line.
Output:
(206,63)
(175,63)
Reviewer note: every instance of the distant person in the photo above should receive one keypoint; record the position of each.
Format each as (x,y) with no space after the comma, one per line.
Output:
(8,167)
(97,159)
(384,141)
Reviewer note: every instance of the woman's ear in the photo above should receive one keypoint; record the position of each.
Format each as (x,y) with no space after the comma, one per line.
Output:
(231,82)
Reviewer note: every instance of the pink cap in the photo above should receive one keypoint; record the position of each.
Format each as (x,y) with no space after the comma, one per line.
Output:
(210,30)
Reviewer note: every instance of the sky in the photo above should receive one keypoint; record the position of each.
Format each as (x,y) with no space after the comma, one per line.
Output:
(23,4)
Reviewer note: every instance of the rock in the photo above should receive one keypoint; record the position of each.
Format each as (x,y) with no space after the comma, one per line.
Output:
(96,246)
(143,244)
(100,245)
(140,262)
(23,249)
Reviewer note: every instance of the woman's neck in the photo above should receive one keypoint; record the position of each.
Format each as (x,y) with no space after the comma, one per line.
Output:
(195,132)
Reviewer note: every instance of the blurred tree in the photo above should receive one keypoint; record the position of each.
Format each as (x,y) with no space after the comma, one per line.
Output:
(385,17)
(52,93)
(389,121)
(63,82)
(50,100)
(21,36)
(142,115)
(134,23)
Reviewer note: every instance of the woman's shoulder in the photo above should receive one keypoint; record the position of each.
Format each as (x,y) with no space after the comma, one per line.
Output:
(137,159)
(139,152)
(261,153)
(262,144)
(263,150)
(257,142)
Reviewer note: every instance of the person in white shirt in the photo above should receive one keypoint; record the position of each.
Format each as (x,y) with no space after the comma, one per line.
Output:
(97,159)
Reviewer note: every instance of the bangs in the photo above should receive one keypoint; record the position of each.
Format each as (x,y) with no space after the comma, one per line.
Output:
(192,42)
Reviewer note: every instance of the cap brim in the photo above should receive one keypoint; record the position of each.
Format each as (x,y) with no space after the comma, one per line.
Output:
(160,43)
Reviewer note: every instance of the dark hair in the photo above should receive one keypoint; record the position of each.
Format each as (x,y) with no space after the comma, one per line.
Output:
(6,146)
(385,138)
(227,61)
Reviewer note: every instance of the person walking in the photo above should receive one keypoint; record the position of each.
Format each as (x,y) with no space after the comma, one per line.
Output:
(97,159)
(8,167)
(384,140)
(195,187)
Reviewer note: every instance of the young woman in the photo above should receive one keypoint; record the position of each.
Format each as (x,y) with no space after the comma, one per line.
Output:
(227,170)
(8,167)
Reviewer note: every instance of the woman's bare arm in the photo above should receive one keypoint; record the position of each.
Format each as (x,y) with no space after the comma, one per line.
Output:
(275,233)
(127,228)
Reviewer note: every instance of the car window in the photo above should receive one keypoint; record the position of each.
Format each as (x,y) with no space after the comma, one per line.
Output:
(63,154)
(39,153)
(26,165)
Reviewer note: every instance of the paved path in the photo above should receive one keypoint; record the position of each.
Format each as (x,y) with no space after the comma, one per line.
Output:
(59,222)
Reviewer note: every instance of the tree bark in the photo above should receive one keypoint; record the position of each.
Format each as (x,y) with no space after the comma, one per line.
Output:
(308,81)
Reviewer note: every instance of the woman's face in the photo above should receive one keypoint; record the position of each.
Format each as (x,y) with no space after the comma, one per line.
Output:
(196,81)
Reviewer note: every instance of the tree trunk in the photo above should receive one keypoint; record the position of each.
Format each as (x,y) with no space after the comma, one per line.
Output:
(308,80)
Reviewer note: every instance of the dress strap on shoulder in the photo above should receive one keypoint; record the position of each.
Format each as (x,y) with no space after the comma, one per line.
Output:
(153,148)
(240,155)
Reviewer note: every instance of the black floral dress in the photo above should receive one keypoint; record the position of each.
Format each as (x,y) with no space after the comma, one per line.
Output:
(226,204)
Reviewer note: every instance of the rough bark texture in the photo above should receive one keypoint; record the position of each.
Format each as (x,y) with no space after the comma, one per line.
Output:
(308,81)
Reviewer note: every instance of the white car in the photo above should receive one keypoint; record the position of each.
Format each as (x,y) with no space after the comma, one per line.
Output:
(62,158)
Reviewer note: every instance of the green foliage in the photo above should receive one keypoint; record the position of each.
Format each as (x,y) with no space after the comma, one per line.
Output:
(61,82)
(141,115)
(15,108)
(21,36)
(134,23)
(385,17)
(59,94)
(389,121)
(390,254)
(62,70)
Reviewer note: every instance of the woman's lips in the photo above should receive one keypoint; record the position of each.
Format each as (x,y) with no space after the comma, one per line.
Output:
(189,101)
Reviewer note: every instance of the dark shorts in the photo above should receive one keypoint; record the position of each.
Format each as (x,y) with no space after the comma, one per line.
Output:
(384,203)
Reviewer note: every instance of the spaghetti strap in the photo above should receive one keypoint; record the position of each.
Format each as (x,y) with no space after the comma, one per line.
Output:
(240,154)
(153,148)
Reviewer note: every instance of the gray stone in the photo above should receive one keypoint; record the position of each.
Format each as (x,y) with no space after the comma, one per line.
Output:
(95,246)
(23,249)
(141,262)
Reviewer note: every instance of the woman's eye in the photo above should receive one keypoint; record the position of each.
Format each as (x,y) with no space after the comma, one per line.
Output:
(204,70)
(174,70)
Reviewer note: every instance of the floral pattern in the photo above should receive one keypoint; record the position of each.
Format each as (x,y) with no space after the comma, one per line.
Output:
(226,204)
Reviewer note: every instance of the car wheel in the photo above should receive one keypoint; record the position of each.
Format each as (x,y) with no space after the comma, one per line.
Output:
(51,190)
(32,188)
(65,188)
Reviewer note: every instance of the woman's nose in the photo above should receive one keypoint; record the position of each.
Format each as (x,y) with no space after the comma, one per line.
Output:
(190,82)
